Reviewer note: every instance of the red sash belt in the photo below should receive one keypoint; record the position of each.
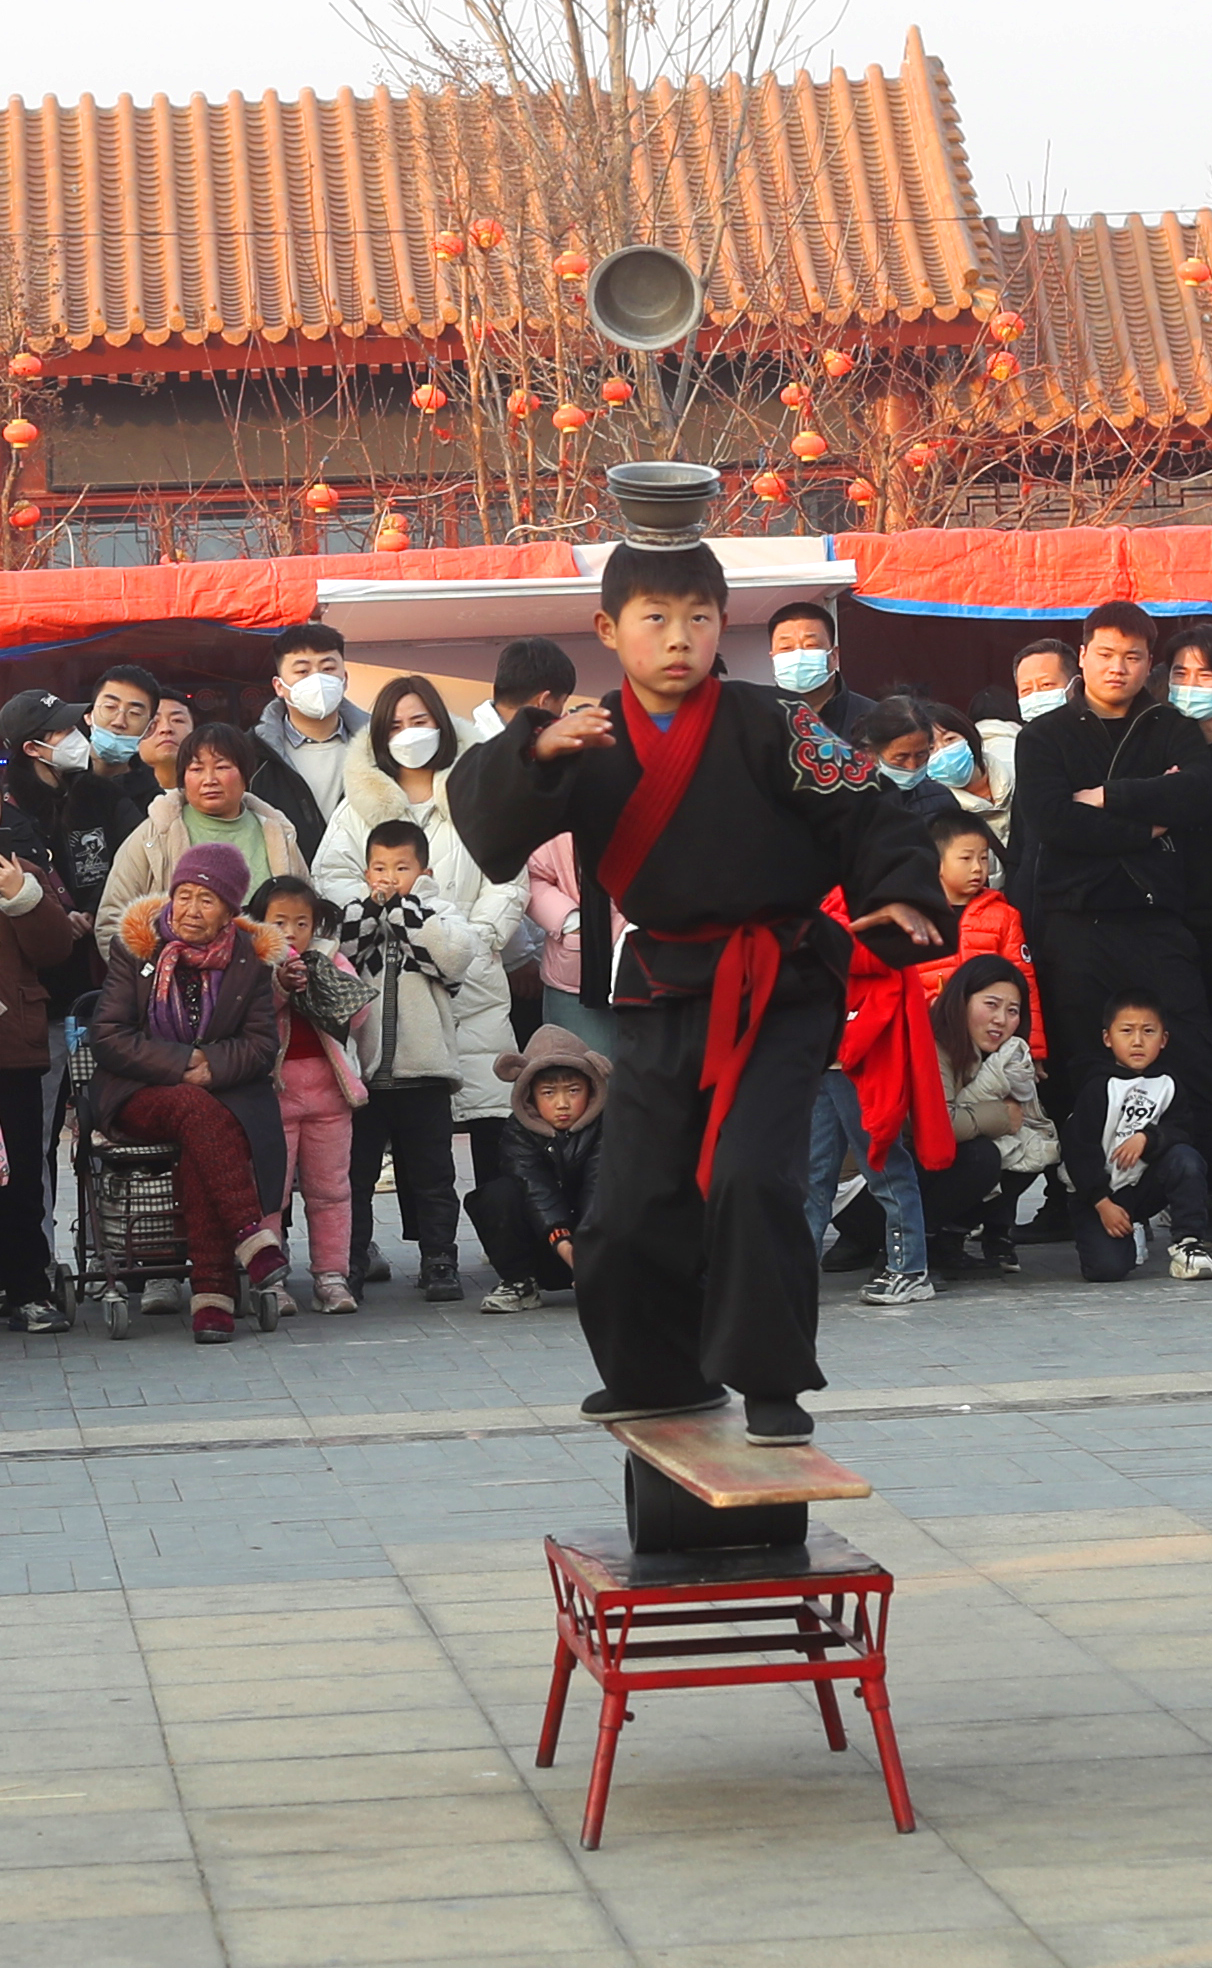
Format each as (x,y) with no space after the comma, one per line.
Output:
(748,968)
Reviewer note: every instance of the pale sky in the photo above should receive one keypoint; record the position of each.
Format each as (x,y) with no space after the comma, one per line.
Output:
(1109,103)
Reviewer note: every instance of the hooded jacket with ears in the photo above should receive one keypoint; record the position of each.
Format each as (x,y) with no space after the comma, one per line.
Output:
(277,779)
(241,1043)
(557,1170)
(493,909)
(145,861)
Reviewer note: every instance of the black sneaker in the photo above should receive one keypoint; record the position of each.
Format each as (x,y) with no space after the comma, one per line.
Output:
(605,1406)
(38,1315)
(440,1280)
(999,1252)
(949,1259)
(777,1424)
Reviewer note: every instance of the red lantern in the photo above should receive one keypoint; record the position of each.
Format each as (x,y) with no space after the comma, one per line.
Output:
(1195,273)
(322,499)
(429,398)
(771,488)
(616,389)
(391,536)
(20,434)
(919,456)
(449,246)
(837,363)
(522,403)
(487,233)
(25,368)
(861,492)
(794,397)
(809,445)
(1007,326)
(571,266)
(1002,366)
(569,417)
(24,516)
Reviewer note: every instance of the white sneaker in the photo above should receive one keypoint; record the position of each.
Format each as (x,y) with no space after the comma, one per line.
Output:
(897,1288)
(518,1297)
(286,1304)
(1190,1258)
(331,1293)
(163,1295)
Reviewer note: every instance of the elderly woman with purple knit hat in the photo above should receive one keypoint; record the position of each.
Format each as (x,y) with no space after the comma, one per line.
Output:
(185,1037)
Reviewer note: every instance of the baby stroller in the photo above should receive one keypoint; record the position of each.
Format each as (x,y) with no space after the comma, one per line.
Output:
(129,1223)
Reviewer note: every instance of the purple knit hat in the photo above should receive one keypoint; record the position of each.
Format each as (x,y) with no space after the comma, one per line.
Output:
(215,866)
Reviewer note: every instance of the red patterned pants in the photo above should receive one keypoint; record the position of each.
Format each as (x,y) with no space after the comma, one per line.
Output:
(218,1194)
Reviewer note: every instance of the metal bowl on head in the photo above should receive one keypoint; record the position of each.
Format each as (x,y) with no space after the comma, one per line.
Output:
(663,503)
(644,297)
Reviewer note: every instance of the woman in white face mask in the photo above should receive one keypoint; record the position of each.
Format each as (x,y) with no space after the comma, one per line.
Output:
(396,769)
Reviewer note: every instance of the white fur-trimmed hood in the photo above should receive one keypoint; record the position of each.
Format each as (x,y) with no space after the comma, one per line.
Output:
(376,798)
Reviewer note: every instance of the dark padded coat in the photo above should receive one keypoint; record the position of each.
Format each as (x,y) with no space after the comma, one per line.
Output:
(241,1043)
(34,935)
(557,1171)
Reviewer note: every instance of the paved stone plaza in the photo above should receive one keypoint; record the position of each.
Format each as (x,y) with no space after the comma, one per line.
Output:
(278,1630)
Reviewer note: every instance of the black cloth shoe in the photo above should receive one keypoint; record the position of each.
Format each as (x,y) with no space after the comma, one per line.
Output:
(440,1280)
(777,1423)
(847,1256)
(378,1270)
(947,1257)
(605,1406)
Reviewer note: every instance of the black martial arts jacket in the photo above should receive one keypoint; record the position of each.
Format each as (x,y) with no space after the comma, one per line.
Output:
(779,811)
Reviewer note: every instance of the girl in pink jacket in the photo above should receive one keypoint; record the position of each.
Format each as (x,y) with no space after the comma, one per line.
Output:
(316,996)
(555,904)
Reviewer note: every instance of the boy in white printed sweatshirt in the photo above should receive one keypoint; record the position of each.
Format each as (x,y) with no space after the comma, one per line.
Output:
(1128,1151)
(414,948)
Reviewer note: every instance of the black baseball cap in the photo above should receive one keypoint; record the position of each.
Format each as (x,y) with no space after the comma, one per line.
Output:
(31,712)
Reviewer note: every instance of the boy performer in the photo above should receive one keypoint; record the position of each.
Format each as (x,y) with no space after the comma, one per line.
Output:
(716,817)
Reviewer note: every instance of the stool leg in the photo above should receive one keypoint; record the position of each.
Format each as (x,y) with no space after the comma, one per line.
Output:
(613,1717)
(561,1675)
(826,1694)
(875,1694)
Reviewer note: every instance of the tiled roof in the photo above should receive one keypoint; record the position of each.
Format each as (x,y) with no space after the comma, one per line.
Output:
(852,201)
(1113,333)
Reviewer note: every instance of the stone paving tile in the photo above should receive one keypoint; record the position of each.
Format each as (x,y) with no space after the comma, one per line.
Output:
(185,1939)
(468,1929)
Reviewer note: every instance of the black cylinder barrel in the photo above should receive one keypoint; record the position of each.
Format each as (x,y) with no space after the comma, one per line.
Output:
(662,1516)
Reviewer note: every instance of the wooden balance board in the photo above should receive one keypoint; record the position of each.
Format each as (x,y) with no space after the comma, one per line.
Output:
(708,1455)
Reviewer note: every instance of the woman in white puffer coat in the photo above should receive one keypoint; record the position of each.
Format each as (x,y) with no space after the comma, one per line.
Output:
(396,769)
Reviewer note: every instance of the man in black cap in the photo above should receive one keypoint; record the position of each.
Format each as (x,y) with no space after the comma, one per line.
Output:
(70,822)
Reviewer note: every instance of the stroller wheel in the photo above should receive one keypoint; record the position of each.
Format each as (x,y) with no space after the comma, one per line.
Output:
(117,1315)
(265,1309)
(65,1292)
(245,1308)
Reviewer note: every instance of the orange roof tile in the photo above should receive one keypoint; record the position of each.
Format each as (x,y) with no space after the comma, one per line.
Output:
(852,201)
(1113,336)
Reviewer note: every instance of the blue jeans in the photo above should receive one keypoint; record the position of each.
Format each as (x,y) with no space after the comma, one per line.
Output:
(836,1121)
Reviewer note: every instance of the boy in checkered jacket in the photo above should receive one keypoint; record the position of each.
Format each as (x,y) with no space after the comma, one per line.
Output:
(414,947)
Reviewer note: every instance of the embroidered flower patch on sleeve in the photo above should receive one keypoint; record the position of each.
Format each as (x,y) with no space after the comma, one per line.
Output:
(820,760)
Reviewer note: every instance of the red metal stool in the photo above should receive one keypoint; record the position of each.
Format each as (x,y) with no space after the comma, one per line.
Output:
(616,1611)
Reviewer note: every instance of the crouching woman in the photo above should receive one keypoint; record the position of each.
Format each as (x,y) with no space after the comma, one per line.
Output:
(185,1037)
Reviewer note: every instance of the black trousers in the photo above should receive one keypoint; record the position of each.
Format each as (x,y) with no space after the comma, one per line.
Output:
(952,1198)
(24,1256)
(485,1138)
(512,1245)
(1177,1180)
(416,1120)
(1086,958)
(674,1292)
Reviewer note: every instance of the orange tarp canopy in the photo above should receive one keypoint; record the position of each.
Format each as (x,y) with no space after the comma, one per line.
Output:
(71,604)
(977,572)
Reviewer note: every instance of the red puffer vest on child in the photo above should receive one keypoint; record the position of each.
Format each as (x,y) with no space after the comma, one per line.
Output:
(990,927)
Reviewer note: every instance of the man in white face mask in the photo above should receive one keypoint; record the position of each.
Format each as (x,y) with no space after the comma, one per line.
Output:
(804,656)
(303,736)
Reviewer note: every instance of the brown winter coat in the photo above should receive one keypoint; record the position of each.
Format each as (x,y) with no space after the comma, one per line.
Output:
(241,1043)
(34,935)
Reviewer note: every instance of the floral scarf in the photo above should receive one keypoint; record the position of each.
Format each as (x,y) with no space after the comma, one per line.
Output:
(181,1005)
